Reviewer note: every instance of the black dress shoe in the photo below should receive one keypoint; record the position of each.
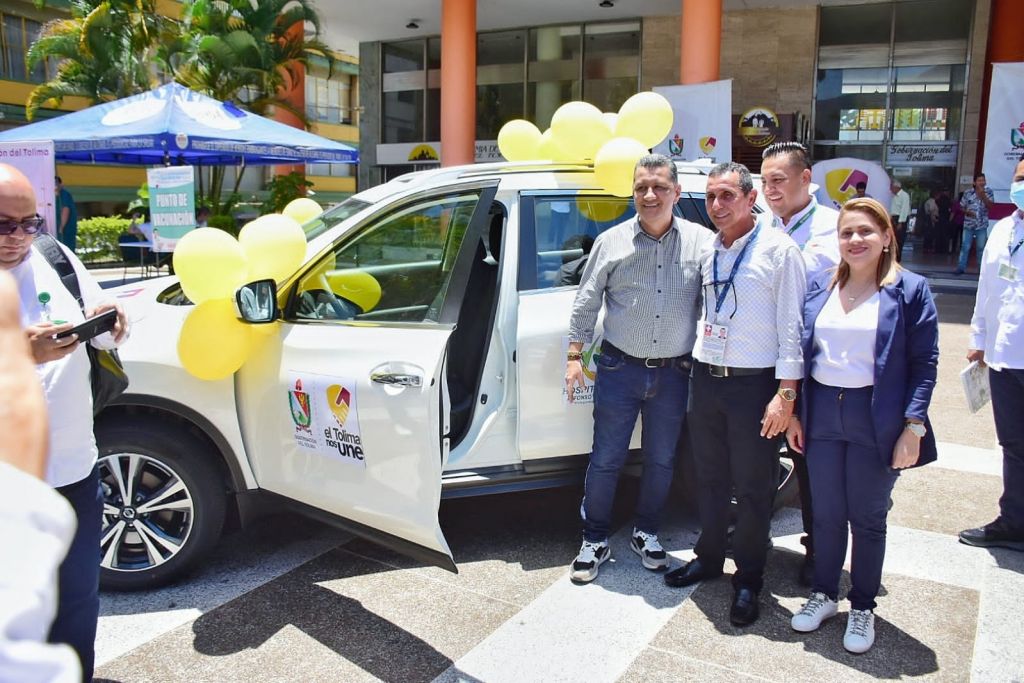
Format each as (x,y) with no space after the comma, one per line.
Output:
(744,610)
(994,534)
(689,574)
(806,575)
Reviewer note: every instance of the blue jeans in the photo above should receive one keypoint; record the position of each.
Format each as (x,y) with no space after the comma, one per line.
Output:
(623,391)
(980,236)
(850,486)
(1007,407)
(78,600)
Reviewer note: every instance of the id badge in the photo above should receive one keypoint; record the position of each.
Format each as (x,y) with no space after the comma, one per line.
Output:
(711,339)
(1007,271)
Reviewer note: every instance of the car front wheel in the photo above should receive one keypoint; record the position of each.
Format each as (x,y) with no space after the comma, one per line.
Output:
(163,503)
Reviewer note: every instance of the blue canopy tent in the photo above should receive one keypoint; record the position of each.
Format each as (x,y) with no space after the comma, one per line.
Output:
(173,125)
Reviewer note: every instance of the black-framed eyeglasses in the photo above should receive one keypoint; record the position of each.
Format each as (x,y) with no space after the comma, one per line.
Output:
(29,226)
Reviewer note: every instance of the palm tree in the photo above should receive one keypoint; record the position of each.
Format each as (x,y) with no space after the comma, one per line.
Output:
(104,51)
(248,52)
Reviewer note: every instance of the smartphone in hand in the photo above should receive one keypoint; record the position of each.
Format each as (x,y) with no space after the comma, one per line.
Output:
(92,327)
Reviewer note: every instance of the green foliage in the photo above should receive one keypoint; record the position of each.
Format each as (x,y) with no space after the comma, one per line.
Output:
(283,189)
(224,222)
(97,238)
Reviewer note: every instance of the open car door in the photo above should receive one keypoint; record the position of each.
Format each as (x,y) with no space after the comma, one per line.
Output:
(344,404)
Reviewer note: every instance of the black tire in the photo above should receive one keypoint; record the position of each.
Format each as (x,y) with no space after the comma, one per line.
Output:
(174,470)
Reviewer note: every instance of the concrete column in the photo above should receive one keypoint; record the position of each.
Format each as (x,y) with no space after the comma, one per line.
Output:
(458,82)
(700,41)
(549,95)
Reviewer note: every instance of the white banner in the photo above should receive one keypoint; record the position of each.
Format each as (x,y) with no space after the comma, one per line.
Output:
(837,181)
(36,160)
(401,153)
(702,128)
(1004,134)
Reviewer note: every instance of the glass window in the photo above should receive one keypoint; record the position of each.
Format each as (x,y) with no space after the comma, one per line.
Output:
(856,24)
(553,71)
(496,105)
(14,47)
(403,56)
(868,152)
(611,67)
(927,102)
(396,269)
(931,20)
(402,115)
(565,228)
(851,104)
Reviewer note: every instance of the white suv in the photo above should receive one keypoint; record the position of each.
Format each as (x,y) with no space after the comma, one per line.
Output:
(420,354)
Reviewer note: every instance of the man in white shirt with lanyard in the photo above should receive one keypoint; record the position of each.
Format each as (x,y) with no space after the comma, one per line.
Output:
(747,364)
(997,339)
(786,184)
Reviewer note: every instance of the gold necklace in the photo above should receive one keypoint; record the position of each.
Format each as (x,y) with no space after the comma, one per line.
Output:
(861,293)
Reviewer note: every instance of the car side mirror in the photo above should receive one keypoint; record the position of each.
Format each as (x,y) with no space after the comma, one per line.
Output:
(257,302)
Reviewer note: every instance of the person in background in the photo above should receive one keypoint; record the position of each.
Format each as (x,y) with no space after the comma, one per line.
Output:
(899,209)
(203,217)
(786,185)
(747,363)
(645,274)
(36,523)
(63,367)
(67,215)
(928,220)
(945,204)
(864,415)
(860,190)
(976,203)
(997,340)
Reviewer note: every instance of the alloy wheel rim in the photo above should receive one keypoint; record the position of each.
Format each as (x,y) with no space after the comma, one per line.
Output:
(148,512)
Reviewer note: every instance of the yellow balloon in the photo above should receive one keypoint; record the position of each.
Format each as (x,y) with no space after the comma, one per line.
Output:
(647,117)
(611,119)
(210,264)
(213,343)
(602,209)
(550,149)
(303,210)
(579,129)
(357,286)
(275,246)
(615,164)
(519,140)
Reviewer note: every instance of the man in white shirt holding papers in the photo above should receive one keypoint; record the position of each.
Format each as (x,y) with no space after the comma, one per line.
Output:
(997,339)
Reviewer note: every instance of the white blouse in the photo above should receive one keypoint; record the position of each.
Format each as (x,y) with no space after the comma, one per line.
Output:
(844,343)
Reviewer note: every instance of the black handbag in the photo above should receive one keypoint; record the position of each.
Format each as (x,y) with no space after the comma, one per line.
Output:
(107,375)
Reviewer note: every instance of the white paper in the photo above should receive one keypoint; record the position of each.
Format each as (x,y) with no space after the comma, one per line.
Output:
(975,380)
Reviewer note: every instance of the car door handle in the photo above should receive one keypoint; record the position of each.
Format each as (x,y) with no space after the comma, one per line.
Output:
(397,379)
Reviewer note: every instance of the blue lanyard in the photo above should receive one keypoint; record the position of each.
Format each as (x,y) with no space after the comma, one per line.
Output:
(720,295)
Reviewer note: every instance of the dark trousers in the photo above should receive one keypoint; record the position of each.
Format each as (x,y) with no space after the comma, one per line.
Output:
(731,458)
(622,392)
(851,487)
(803,480)
(901,236)
(78,600)
(1008,408)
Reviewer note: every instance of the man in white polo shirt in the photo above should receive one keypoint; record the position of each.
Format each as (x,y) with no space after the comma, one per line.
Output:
(786,184)
(997,339)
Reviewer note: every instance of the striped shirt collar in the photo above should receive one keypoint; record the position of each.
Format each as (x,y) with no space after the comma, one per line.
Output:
(637,230)
(737,243)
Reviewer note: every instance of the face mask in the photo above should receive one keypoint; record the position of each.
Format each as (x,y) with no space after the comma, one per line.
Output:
(1017,194)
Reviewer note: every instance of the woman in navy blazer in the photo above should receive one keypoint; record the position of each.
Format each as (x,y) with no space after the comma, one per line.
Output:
(870,346)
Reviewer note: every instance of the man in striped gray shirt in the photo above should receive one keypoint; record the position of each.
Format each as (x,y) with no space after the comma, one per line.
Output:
(645,273)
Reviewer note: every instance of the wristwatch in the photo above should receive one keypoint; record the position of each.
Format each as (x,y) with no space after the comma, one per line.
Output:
(574,355)
(787,394)
(917,429)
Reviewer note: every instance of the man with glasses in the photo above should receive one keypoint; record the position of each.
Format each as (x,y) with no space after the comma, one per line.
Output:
(786,183)
(747,362)
(48,308)
(645,273)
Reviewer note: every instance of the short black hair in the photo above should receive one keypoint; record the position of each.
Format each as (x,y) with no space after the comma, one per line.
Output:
(861,185)
(798,154)
(59,181)
(655,161)
(979,174)
(727,167)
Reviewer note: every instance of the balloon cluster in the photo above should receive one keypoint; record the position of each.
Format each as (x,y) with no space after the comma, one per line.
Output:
(580,132)
(211,265)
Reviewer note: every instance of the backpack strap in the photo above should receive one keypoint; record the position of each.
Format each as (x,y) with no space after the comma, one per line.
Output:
(49,247)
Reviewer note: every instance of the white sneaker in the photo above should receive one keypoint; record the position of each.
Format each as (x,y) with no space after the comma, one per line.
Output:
(592,555)
(650,551)
(817,609)
(860,631)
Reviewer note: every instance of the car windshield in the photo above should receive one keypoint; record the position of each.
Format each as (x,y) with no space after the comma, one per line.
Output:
(333,216)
